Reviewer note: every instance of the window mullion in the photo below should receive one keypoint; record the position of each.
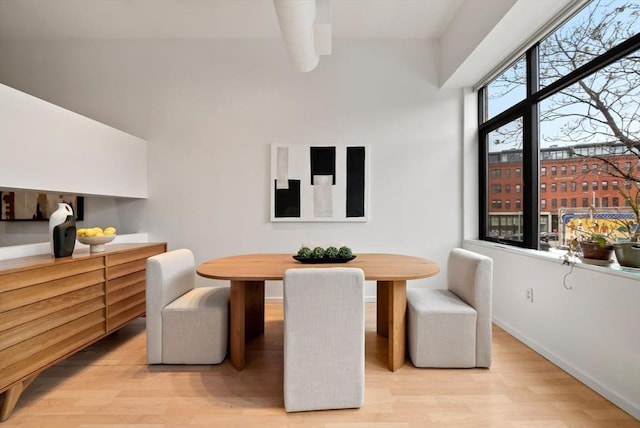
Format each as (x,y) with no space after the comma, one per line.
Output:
(531,151)
(482,167)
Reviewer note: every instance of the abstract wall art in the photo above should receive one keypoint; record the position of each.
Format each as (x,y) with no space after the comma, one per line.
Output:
(320,183)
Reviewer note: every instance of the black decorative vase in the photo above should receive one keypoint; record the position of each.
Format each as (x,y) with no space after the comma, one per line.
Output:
(64,237)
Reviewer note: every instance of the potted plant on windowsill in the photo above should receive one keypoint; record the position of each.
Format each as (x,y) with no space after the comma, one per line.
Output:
(594,238)
(628,251)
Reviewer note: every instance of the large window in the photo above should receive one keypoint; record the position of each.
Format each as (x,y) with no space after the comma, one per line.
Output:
(566,111)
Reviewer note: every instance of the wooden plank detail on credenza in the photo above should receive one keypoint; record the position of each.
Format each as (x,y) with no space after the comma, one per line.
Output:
(126,279)
(52,308)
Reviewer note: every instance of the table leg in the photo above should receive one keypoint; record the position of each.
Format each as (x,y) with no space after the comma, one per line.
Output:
(237,324)
(392,310)
(382,311)
(246,320)
(254,312)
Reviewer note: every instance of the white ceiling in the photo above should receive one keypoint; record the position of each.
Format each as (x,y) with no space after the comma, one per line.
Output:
(123,19)
(473,36)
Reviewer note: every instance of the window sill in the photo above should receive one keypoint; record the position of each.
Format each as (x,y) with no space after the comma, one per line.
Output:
(555,256)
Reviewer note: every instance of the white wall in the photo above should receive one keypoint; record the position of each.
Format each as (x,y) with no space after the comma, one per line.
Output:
(590,330)
(210,109)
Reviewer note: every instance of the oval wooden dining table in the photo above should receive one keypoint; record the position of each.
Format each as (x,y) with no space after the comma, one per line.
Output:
(248,272)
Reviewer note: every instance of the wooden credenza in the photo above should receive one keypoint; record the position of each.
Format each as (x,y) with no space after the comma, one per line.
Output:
(51,308)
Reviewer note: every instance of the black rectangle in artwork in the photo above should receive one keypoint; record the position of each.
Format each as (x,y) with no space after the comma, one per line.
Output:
(323,162)
(287,201)
(355,181)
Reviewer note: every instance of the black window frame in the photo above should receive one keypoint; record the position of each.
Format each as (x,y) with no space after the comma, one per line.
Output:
(527,109)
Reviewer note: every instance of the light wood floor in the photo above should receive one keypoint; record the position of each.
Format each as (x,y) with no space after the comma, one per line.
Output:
(109,385)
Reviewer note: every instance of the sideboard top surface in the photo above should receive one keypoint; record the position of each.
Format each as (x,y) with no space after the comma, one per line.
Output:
(43,260)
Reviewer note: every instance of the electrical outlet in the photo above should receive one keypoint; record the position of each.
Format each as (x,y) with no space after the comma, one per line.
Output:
(529,295)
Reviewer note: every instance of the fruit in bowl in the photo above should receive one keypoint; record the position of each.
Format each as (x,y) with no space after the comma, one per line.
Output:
(96,237)
(96,231)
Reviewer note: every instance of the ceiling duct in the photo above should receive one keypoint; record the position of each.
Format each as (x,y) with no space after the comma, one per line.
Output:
(306,30)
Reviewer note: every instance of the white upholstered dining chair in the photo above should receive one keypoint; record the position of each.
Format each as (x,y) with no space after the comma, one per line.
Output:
(185,324)
(452,327)
(323,338)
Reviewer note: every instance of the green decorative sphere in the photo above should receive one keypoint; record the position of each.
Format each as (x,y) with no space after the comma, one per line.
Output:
(345,252)
(331,252)
(304,252)
(318,253)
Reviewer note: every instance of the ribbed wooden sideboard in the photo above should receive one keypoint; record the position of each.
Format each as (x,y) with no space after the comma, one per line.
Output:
(51,308)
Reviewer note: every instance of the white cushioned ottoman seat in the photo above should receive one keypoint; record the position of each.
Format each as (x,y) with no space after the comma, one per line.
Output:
(185,324)
(439,312)
(196,324)
(451,327)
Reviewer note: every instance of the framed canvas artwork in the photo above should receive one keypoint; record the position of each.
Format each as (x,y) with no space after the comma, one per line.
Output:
(319,183)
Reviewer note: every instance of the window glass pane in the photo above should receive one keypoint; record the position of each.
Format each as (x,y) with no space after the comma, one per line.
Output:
(507,89)
(593,123)
(505,153)
(598,27)
(596,116)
